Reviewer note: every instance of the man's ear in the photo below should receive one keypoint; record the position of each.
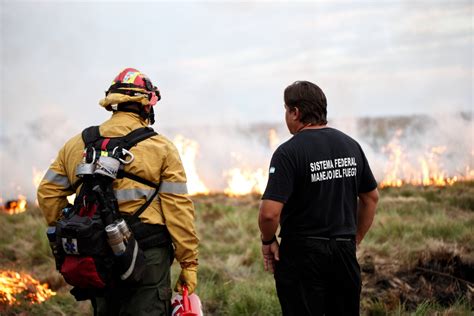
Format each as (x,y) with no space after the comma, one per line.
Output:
(295,113)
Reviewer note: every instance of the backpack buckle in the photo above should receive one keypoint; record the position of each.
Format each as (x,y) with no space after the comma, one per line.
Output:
(123,154)
(86,167)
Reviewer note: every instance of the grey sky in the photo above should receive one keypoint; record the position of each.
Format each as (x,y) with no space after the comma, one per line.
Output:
(228,62)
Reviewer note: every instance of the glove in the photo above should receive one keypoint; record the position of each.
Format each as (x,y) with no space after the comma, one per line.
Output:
(188,276)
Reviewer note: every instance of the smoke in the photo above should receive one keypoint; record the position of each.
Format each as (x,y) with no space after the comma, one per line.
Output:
(250,147)
(445,141)
(31,150)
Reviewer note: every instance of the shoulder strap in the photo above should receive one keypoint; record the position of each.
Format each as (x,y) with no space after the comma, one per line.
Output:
(132,138)
(127,142)
(124,174)
(156,186)
(90,135)
(136,136)
(142,208)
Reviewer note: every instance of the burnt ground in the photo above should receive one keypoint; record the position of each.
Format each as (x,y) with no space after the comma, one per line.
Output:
(441,277)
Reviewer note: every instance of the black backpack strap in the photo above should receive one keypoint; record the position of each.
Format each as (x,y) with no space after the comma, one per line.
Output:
(127,142)
(142,208)
(136,136)
(131,139)
(136,178)
(90,135)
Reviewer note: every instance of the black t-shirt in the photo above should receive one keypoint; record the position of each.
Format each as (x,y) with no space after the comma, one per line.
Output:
(318,175)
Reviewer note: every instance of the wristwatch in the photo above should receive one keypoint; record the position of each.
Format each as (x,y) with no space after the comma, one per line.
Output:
(269,242)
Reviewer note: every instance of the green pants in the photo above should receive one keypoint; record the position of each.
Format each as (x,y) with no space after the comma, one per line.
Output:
(151,297)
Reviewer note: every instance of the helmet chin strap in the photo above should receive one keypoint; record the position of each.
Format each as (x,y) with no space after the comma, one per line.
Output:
(151,116)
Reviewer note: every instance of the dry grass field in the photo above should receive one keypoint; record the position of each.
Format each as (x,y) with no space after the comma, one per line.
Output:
(418,259)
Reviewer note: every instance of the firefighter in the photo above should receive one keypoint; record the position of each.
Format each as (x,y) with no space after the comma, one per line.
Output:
(131,98)
(323,195)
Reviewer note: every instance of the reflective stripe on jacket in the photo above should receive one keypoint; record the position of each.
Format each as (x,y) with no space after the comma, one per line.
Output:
(156,159)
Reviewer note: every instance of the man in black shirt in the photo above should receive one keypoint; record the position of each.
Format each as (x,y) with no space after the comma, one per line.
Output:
(323,194)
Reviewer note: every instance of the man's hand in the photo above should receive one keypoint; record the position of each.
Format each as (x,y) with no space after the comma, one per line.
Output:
(270,256)
(188,276)
(268,220)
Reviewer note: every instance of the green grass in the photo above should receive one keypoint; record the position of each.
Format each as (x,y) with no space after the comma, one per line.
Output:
(409,218)
(24,248)
(410,221)
(230,260)
(377,308)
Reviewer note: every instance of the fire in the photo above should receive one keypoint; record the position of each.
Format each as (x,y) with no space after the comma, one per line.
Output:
(426,169)
(15,206)
(188,150)
(14,285)
(241,182)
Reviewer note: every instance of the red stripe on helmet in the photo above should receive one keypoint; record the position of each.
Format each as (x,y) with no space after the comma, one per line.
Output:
(139,81)
(123,73)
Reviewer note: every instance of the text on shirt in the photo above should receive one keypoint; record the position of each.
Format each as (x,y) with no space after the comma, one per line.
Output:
(333,169)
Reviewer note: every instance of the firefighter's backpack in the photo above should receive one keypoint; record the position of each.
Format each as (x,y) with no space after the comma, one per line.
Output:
(93,248)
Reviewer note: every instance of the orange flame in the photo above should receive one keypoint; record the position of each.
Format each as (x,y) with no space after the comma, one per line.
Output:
(401,168)
(188,150)
(14,285)
(242,182)
(428,171)
(16,206)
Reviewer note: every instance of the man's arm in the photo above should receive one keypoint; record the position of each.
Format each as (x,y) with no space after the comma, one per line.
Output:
(178,211)
(365,213)
(268,220)
(54,189)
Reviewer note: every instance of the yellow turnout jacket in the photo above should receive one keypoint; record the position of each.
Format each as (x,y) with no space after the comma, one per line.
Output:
(156,159)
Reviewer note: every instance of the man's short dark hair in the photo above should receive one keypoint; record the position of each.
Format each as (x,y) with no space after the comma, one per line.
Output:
(309,99)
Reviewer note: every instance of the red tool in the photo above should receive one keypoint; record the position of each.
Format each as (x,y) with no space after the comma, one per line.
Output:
(186,304)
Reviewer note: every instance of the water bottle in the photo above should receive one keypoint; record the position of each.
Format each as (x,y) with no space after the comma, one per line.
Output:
(83,169)
(115,239)
(86,168)
(123,227)
(107,166)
